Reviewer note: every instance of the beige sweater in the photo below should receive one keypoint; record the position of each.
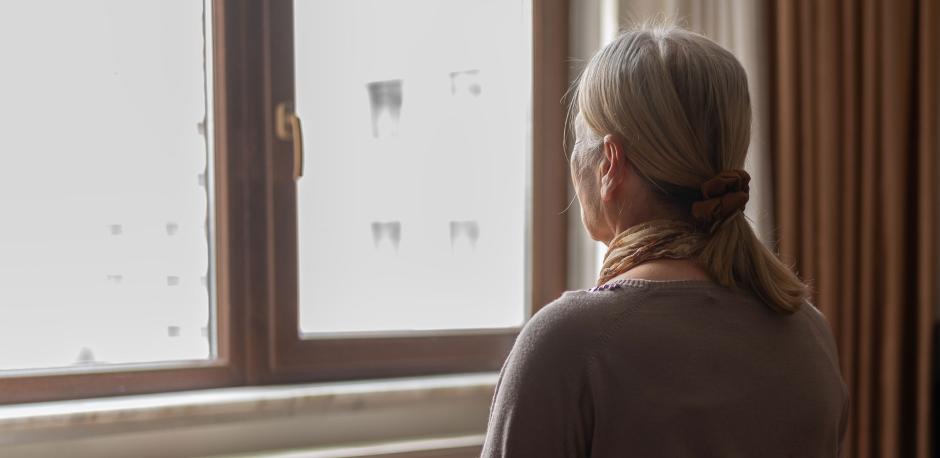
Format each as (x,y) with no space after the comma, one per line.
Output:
(668,369)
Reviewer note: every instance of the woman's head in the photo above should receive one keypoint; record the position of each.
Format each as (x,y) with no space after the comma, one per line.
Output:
(674,103)
(660,111)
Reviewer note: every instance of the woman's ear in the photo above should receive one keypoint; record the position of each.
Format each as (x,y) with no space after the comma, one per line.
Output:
(614,167)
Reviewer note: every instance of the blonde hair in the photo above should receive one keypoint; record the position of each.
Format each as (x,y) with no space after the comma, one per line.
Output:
(680,102)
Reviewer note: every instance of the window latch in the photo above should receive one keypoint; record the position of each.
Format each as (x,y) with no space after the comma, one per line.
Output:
(287,128)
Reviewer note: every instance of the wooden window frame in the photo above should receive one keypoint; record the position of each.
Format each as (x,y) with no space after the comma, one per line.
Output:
(256,257)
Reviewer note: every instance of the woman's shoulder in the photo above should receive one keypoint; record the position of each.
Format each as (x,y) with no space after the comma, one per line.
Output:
(588,312)
(583,306)
(581,318)
(577,316)
(565,328)
(626,295)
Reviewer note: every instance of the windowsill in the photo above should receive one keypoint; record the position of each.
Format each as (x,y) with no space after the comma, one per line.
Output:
(427,406)
(468,446)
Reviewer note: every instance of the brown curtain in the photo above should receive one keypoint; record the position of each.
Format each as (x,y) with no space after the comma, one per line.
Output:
(855,146)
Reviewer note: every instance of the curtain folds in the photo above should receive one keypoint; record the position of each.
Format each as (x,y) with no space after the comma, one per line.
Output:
(855,150)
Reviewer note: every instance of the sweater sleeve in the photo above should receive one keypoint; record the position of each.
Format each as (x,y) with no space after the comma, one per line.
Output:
(542,405)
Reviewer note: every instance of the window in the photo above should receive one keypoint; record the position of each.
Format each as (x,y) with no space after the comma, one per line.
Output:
(162,240)
(412,212)
(105,183)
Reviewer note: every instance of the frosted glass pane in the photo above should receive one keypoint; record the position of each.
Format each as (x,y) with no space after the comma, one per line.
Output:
(104,249)
(413,208)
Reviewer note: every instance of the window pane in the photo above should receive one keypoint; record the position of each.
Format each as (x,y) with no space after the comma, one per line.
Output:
(413,210)
(104,248)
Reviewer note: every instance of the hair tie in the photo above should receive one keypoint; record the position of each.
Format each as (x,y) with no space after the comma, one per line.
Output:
(723,195)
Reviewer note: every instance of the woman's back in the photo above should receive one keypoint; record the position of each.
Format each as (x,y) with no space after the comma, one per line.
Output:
(669,369)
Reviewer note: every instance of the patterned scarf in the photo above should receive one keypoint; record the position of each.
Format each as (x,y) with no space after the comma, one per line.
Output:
(723,197)
(657,239)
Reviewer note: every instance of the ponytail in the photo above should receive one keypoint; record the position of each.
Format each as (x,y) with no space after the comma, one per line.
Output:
(736,258)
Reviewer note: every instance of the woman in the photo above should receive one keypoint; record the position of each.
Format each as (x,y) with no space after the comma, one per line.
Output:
(697,341)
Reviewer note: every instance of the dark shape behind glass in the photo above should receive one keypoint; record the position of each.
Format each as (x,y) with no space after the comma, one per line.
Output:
(386,232)
(466,83)
(85,357)
(385,99)
(464,230)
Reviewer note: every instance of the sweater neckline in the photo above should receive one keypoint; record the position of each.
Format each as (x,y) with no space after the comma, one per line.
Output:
(654,284)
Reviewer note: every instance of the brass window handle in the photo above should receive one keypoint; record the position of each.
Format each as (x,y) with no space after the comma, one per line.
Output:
(287,128)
